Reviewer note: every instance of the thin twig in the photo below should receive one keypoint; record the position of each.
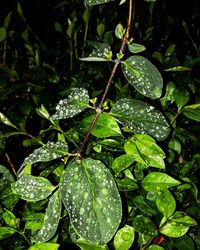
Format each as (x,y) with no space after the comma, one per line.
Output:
(11,164)
(117,62)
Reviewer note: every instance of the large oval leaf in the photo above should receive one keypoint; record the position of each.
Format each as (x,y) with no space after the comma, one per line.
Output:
(141,118)
(48,152)
(143,75)
(51,219)
(32,188)
(166,203)
(76,102)
(157,181)
(91,198)
(105,126)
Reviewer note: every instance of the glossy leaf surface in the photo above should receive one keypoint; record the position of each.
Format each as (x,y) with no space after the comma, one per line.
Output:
(124,238)
(76,102)
(157,181)
(45,246)
(145,150)
(95,2)
(144,225)
(166,203)
(143,76)
(91,198)
(122,162)
(48,152)
(51,219)
(141,117)
(31,188)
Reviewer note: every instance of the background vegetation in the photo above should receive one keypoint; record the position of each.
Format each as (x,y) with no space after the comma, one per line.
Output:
(40,47)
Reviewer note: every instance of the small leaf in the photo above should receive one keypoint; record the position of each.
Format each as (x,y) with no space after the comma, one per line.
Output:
(122,162)
(177,225)
(141,204)
(32,188)
(192,112)
(143,76)
(175,145)
(44,246)
(145,150)
(48,152)
(3,34)
(157,181)
(85,245)
(141,118)
(124,238)
(10,219)
(76,102)
(178,69)
(181,97)
(6,232)
(95,2)
(51,219)
(119,31)
(7,19)
(6,121)
(101,53)
(43,112)
(144,225)
(126,184)
(105,126)
(6,177)
(155,247)
(166,203)
(136,48)
(91,198)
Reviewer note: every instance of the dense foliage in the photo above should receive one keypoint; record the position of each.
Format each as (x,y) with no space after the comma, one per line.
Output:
(99,132)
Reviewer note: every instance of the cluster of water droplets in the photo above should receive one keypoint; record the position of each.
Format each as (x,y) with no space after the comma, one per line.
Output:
(95,2)
(76,102)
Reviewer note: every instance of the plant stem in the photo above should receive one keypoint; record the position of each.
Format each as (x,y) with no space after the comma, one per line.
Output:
(117,62)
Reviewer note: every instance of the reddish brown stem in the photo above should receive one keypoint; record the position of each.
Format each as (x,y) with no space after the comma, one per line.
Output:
(117,62)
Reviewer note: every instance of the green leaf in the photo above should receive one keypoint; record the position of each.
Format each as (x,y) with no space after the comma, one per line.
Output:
(10,219)
(178,69)
(51,219)
(181,97)
(7,19)
(91,198)
(141,118)
(122,162)
(141,204)
(85,245)
(144,225)
(155,247)
(6,232)
(43,112)
(101,53)
(145,150)
(32,188)
(6,177)
(175,145)
(6,121)
(48,152)
(185,242)
(166,203)
(119,31)
(95,2)
(126,184)
(192,112)
(157,181)
(136,48)
(105,126)
(177,225)
(124,238)
(3,34)
(143,76)
(76,102)
(44,246)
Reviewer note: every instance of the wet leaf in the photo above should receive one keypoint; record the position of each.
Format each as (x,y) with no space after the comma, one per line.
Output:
(119,31)
(155,247)
(157,181)
(177,225)
(6,121)
(6,177)
(178,68)
(166,203)
(105,126)
(136,48)
(145,150)
(181,97)
(51,219)
(48,152)
(10,219)
(91,198)
(192,112)
(143,76)
(101,53)
(144,225)
(85,245)
(95,2)
(141,204)
(31,188)
(124,238)
(76,102)
(122,162)
(141,118)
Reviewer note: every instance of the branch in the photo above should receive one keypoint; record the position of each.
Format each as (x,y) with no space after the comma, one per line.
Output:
(117,62)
